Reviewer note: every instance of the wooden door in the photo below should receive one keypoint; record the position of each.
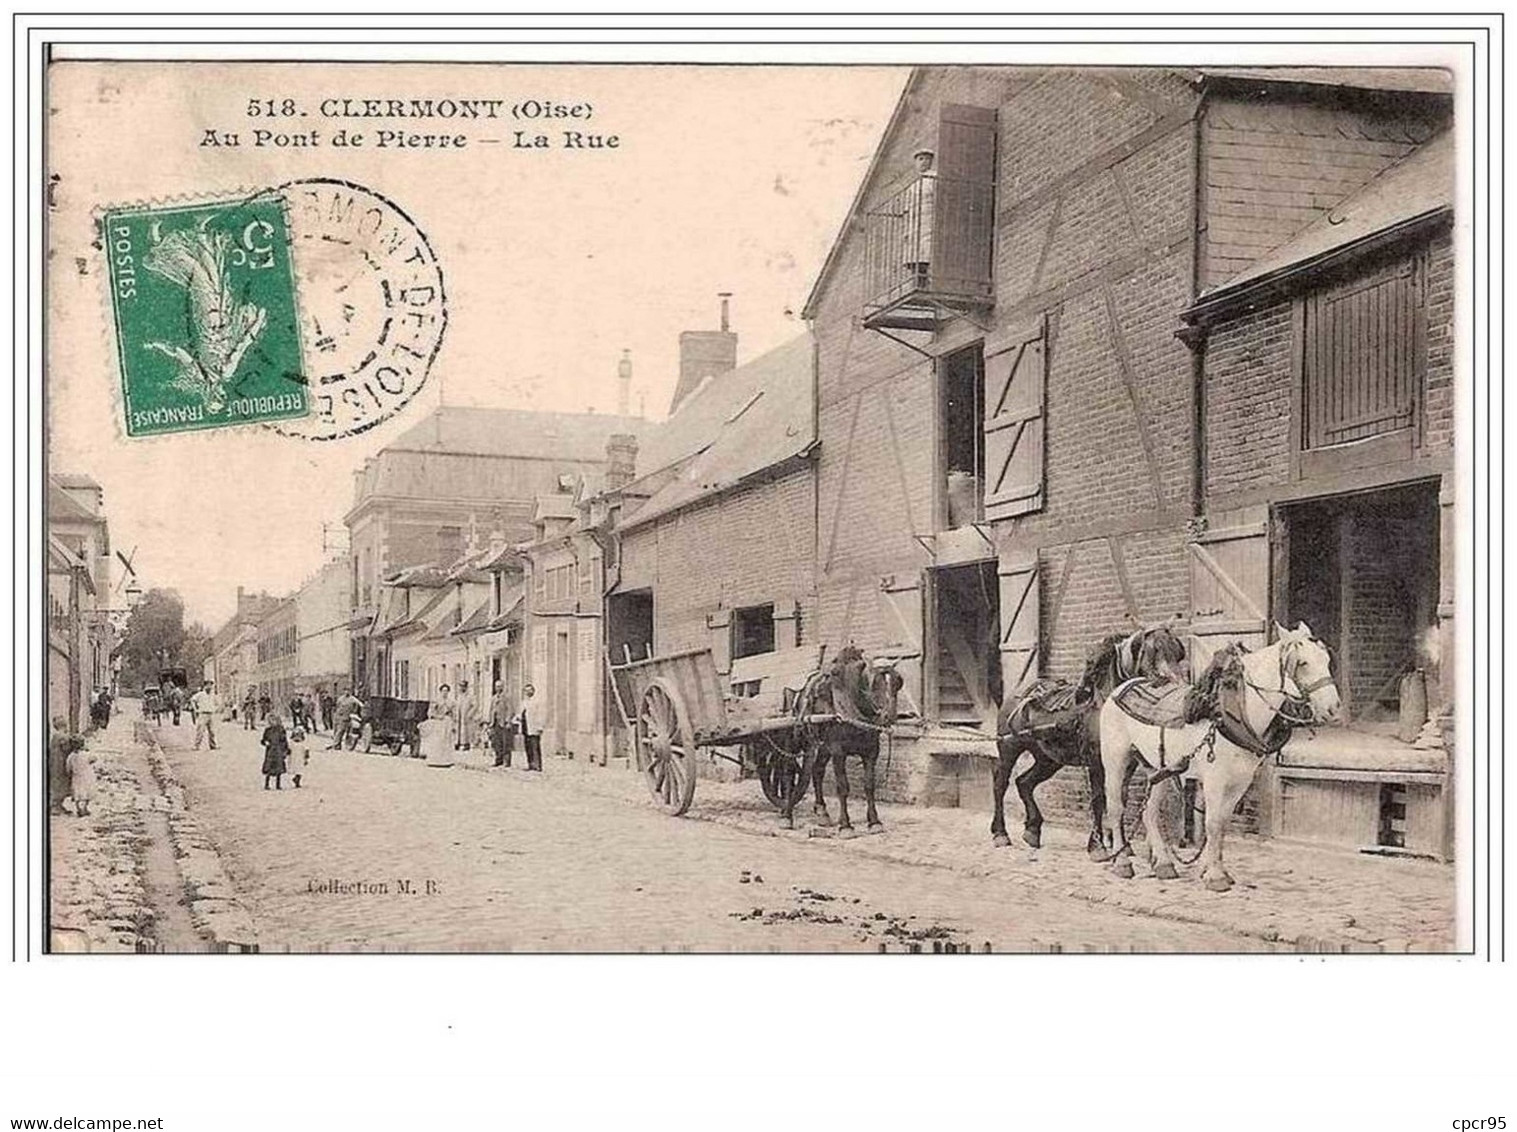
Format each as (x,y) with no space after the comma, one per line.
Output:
(1230,583)
(1015,380)
(1019,622)
(900,600)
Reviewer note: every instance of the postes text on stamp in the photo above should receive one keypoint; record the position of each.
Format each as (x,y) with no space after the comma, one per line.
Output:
(207,328)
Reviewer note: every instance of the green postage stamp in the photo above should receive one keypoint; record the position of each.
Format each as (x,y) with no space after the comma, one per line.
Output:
(207,330)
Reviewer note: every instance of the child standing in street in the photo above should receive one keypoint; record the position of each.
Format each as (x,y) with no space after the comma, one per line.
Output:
(276,752)
(81,773)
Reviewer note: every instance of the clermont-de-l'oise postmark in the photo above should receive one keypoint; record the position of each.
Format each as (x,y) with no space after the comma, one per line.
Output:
(206,322)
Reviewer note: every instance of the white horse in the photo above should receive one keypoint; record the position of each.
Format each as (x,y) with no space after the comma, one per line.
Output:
(1260,696)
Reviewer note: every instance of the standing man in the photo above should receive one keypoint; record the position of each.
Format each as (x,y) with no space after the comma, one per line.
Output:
(249,711)
(328,708)
(530,722)
(468,716)
(502,729)
(347,706)
(921,215)
(206,705)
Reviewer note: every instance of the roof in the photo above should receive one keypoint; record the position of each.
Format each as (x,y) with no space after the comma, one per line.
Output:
(74,479)
(429,575)
(522,433)
(749,419)
(1421,184)
(836,250)
(503,557)
(511,601)
(476,622)
(63,507)
(426,617)
(1421,80)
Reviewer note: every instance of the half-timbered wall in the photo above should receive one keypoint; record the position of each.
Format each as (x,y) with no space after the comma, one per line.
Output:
(1094,242)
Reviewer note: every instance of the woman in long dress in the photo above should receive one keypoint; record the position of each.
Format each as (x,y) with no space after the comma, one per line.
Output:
(437,730)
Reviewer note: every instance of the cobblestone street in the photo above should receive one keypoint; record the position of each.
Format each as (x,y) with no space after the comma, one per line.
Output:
(578,859)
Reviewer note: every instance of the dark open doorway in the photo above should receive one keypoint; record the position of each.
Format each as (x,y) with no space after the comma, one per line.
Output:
(629,626)
(1362,570)
(966,634)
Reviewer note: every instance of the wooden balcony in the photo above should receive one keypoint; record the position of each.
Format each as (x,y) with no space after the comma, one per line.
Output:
(928,249)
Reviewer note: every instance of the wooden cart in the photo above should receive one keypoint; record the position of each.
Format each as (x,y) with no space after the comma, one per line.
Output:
(389,722)
(677,705)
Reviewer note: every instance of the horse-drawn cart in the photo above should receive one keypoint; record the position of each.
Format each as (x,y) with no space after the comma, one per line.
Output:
(675,705)
(389,722)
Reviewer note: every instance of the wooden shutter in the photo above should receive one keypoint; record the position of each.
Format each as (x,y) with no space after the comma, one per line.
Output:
(719,623)
(963,210)
(901,615)
(1229,584)
(1015,379)
(787,624)
(1019,622)
(1361,363)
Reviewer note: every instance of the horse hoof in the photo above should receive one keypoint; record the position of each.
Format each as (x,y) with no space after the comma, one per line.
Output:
(1033,837)
(1000,841)
(1165,871)
(1097,852)
(1122,867)
(1219,884)
(876,827)
(787,823)
(847,832)
(821,817)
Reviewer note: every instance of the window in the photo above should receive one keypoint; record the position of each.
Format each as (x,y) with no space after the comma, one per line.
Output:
(1361,365)
(963,451)
(496,588)
(752,631)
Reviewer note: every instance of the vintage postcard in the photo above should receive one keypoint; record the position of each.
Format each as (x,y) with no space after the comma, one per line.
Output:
(629,508)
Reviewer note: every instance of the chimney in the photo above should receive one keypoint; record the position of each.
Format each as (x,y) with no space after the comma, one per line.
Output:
(704,354)
(621,460)
(624,384)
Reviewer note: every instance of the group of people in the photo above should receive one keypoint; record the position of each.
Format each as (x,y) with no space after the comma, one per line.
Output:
(70,773)
(453,724)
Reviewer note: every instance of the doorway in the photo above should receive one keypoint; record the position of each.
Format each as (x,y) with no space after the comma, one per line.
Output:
(1362,570)
(629,626)
(966,621)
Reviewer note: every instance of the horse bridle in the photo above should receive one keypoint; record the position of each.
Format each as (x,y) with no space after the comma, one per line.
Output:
(1287,653)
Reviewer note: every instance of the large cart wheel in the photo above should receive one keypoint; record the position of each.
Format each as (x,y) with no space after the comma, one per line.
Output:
(779,775)
(666,746)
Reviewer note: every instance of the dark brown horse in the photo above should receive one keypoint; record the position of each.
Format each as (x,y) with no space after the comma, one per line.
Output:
(862,698)
(1056,721)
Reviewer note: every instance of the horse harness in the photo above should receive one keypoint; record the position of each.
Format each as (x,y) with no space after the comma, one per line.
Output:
(1232,723)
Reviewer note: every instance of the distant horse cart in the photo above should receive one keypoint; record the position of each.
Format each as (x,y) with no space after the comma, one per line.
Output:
(787,714)
(389,722)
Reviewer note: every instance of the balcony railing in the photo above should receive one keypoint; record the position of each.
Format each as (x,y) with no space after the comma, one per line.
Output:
(928,249)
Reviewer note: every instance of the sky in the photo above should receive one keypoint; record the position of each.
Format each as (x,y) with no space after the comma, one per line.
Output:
(724,179)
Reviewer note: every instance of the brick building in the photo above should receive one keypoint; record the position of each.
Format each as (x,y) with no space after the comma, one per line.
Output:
(234,648)
(1016,448)
(81,635)
(322,612)
(276,651)
(716,535)
(457,479)
(1327,431)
